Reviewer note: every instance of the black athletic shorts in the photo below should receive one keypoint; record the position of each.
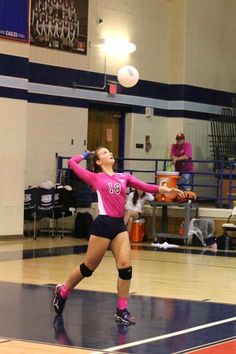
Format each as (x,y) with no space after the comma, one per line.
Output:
(107,226)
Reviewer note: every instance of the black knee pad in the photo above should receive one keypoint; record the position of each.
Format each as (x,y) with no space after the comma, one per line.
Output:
(85,271)
(125,273)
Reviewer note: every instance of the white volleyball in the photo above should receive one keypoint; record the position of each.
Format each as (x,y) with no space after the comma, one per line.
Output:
(128,76)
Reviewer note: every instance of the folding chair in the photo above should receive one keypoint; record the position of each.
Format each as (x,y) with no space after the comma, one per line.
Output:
(225,240)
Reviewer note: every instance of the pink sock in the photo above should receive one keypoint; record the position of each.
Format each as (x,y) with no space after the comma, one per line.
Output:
(65,292)
(122,303)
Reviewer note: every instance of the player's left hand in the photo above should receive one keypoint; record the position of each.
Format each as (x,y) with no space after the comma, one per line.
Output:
(176,191)
(86,154)
(188,195)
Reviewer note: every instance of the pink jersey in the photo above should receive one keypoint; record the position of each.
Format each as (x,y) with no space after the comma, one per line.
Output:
(179,150)
(111,190)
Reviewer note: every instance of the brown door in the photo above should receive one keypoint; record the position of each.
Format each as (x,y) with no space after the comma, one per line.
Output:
(103,130)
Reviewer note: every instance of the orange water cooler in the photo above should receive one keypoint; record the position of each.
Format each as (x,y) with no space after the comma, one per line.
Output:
(167,179)
(137,231)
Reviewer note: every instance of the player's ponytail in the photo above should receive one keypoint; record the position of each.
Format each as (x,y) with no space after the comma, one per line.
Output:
(135,197)
(95,167)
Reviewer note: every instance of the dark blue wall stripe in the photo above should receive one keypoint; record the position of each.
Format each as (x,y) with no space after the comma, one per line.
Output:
(19,67)
(111,107)
(51,75)
(83,103)
(13,93)
(14,66)
(55,100)
(199,115)
(208,96)
(148,89)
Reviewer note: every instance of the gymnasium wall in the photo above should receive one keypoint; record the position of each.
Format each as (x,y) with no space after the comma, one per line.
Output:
(211,44)
(147,24)
(52,130)
(186,59)
(13,129)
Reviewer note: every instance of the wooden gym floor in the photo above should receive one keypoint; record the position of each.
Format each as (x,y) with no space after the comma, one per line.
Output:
(184,300)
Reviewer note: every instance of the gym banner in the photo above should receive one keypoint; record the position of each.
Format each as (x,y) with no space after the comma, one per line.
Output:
(14,19)
(60,24)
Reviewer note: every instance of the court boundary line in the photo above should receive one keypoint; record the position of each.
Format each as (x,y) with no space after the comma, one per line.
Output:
(208,345)
(169,335)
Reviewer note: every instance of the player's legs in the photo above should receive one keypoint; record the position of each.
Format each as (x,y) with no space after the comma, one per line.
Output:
(97,247)
(120,248)
(184,181)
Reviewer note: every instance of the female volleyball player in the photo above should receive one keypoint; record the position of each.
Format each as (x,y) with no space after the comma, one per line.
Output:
(108,229)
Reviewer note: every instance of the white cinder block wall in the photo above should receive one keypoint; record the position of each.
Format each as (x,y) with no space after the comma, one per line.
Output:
(50,131)
(13,125)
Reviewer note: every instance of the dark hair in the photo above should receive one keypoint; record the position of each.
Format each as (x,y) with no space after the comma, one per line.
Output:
(95,167)
(136,196)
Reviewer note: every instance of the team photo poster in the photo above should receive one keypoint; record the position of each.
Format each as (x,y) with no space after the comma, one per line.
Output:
(60,24)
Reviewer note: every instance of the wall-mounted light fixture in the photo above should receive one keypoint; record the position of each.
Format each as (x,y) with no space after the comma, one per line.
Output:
(111,46)
(118,46)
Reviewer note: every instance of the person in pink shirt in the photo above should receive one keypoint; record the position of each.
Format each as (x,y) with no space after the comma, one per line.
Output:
(108,229)
(181,156)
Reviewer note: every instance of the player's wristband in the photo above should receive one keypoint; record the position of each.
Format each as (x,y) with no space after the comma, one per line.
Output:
(86,155)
